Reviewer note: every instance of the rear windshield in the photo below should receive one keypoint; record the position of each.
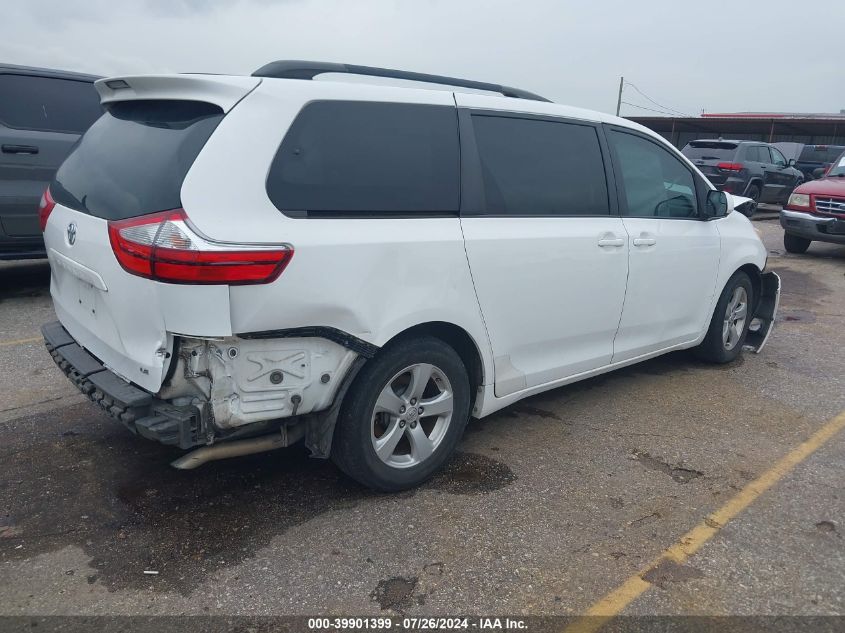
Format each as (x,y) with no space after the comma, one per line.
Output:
(709,150)
(133,160)
(820,153)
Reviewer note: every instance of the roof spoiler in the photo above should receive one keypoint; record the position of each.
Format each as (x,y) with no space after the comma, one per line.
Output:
(220,90)
(298,69)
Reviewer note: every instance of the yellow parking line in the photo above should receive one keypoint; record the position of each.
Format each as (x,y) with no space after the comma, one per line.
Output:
(615,602)
(20,341)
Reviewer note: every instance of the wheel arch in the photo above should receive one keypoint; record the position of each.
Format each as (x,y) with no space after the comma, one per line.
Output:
(756,276)
(754,180)
(460,340)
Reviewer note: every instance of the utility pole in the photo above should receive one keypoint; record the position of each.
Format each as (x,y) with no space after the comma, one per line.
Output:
(619,99)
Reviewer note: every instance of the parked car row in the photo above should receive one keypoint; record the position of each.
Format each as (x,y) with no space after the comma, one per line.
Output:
(751,169)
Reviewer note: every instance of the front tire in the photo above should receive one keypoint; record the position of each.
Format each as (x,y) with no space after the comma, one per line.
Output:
(729,324)
(795,244)
(403,415)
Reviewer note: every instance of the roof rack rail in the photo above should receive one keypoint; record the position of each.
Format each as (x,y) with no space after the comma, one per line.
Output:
(298,69)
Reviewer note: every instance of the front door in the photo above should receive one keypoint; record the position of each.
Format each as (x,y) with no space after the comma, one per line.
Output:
(547,251)
(673,255)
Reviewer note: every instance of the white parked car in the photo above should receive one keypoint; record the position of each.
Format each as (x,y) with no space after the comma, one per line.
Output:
(239,263)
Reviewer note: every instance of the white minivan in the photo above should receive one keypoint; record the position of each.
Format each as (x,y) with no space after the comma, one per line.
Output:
(240,263)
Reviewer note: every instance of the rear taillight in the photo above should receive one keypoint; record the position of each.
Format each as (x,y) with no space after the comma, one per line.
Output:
(729,166)
(162,246)
(45,208)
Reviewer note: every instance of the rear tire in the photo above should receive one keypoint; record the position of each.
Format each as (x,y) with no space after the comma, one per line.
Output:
(795,244)
(729,323)
(382,439)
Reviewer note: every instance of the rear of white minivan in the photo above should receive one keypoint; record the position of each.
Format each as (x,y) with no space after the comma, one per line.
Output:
(129,272)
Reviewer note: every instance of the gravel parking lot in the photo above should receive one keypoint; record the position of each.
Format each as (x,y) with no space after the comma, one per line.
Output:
(551,505)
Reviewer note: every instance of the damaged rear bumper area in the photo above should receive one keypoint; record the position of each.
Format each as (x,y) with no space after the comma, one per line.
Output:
(230,396)
(136,409)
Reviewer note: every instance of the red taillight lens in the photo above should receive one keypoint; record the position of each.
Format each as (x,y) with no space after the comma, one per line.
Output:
(163,247)
(729,166)
(45,208)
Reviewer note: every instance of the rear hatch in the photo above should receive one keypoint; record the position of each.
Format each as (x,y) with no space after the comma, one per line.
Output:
(709,155)
(130,164)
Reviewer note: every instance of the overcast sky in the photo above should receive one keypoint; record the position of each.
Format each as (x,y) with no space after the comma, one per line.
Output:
(765,55)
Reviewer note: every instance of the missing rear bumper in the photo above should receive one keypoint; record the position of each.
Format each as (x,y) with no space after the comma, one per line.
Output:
(135,408)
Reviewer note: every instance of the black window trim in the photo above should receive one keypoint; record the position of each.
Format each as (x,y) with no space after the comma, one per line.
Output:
(45,76)
(701,187)
(304,214)
(473,204)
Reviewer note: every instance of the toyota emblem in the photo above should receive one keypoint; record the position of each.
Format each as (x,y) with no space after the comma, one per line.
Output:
(71,233)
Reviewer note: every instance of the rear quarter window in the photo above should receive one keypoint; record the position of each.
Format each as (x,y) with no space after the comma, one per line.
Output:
(133,160)
(363,158)
(48,104)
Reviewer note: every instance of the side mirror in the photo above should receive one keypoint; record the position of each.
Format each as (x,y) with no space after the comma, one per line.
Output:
(716,205)
(790,162)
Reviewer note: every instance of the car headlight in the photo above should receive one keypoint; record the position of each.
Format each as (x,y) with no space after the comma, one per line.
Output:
(798,200)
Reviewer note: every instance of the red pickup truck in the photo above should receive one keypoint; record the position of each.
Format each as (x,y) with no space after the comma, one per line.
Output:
(816,211)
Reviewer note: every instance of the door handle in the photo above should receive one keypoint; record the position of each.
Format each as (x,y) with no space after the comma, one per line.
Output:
(644,241)
(19,149)
(612,241)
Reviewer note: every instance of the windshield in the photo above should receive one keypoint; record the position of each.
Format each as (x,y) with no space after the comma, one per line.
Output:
(838,168)
(709,150)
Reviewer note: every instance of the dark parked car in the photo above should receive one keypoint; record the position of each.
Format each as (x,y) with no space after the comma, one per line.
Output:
(816,211)
(42,113)
(746,168)
(812,160)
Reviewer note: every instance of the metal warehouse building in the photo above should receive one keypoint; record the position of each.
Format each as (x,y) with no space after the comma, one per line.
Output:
(772,127)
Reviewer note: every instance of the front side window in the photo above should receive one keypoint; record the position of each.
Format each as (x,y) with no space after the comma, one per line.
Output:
(355,157)
(656,183)
(777,158)
(535,167)
(48,104)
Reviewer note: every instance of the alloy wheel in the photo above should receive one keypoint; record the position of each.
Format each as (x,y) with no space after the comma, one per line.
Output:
(736,314)
(411,415)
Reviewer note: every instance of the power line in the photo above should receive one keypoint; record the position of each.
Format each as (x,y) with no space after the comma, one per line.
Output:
(634,105)
(660,105)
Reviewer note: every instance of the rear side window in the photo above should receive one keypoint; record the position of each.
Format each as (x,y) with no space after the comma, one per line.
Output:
(133,160)
(757,153)
(353,158)
(709,150)
(539,167)
(47,104)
